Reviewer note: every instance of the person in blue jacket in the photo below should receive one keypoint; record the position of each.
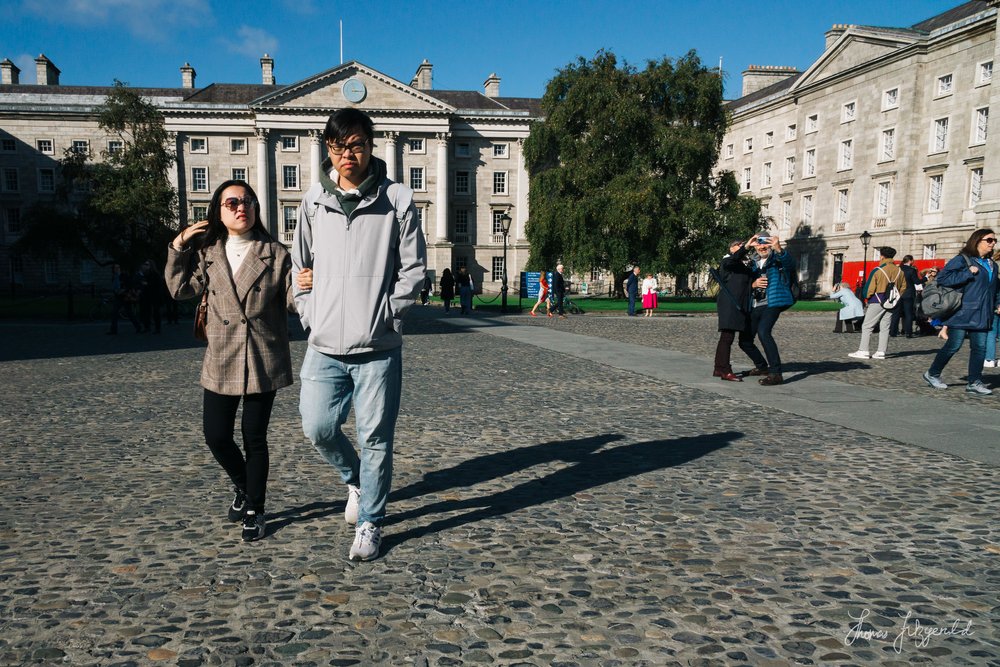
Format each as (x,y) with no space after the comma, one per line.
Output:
(772,296)
(975,274)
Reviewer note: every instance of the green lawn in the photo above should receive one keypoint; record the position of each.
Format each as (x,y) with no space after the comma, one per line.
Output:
(668,305)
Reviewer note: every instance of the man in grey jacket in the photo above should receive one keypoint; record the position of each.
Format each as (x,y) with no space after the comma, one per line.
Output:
(359,257)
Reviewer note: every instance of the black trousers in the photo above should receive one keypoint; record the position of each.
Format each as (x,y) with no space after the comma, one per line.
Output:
(907,309)
(724,349)
(762,321)
(219,422)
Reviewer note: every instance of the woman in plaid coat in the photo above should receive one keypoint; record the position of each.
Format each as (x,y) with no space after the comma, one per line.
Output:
(247,275)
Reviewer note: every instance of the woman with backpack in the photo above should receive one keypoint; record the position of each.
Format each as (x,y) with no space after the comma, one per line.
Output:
(975,274)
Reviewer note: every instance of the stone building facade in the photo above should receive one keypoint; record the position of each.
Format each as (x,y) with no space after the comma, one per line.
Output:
(887,132)
(459,150)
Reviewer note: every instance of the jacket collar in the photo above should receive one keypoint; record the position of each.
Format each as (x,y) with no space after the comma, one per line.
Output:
(259,259)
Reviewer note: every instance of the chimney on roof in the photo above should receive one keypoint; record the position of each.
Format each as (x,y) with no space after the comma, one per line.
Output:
(834,33)
(422,79)
(267,69)
(491,87)
(9,72)
(187,76)
(756,77)
(46,73)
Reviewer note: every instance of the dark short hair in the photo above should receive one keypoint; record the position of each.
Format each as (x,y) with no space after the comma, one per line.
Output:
(907,259)
(887,251)
(345,122)
(972,245)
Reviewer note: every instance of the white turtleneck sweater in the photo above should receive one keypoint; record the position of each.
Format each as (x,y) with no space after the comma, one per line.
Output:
(237,247)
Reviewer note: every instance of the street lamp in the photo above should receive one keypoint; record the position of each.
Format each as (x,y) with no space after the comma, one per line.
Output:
(505,226)
(866,238)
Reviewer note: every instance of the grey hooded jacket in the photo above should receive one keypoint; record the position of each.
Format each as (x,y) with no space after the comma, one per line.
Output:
(367,266)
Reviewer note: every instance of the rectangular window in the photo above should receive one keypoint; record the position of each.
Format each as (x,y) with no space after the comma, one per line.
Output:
(975,186)
(290,176)
(786,214)
(979,123)
(290,214)
(765,175)
(46,180)
(846,154)
(848,112)
(930,251)
(239,174)
(812,123)
(463,149)
(499,182)
(45,146)
(730,151)
(10,180)
(87,271)
(890,99)
(789,169)
(807,210)
(498,222)
(417,179)
(843,205)
(803,267)
(940,138)
(8,145)
(748,145)
(238,146)
(746,178)
(810,169)
(81,146)
(14,220)
(417,145)
(289,142)
(461,182)
(888,150)
(985,72)
(462,222)
(768,139)
(497,273)
(883,198)
(199,212)
(500,151)
(936,190)
(790,132)
(199,145)
(420,216)
(944,85)
(115,146)
(199,179)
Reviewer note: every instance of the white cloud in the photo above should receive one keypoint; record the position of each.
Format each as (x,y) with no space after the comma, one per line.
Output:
(149,19)
(252,42)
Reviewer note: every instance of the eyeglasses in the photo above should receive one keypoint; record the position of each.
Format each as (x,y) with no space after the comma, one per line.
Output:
(233,203)
(990,240)
(338,149)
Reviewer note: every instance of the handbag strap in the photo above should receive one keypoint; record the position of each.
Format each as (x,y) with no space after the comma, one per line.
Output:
(712,271)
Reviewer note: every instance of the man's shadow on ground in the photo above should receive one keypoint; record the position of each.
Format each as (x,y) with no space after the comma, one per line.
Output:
(590,469)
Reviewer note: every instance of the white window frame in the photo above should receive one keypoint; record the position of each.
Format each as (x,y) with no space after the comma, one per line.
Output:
(497,268)
(293,170)
(80,146)
(5,185)
(888,103)
(939,135)
(807,209)
(809,169)
(501,151)
(975,186)
(845,155)
(203,149)
(788,175)
(418,179)
(765,175)
(812,123)
(463,149)
(944,85)
(235,150)
(747,145)
(730,151)
(843,211)
(929,251)
(468,182)
(51,143)
(236,177)
(51,171)
(768,139)
(416,146)
(984,73)
(194,179)
(883,199)
(288,143)
(980,126)
(746,183)
(501,183)
(115,146)
(887,145)
(791,132)
(849,111)
(786,215)
(935,193)
(289,220)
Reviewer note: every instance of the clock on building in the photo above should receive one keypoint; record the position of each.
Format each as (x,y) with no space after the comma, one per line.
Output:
(354,90)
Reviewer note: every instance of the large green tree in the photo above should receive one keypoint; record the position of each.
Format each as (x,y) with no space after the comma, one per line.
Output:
(621,169)
(117,205)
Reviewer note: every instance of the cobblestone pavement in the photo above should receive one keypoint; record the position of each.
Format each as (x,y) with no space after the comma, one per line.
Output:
(543,513)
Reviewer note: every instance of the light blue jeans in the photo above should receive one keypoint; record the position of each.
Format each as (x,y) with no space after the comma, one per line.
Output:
(373,381)
(991,339)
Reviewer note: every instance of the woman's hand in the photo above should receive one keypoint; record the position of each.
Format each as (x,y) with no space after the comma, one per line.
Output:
(304,280)
(188,233)
(974,269)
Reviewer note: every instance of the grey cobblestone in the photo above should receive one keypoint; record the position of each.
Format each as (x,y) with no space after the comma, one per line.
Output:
(546,511)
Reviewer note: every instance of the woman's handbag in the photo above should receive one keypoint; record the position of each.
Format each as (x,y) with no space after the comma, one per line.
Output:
(201,317)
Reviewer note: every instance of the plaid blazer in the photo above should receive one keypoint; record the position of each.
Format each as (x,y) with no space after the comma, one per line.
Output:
(247,325)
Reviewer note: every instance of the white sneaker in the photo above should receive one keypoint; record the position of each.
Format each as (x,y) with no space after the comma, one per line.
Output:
(351,509)
(934,381)
(989,364)
(860,355)
(878,355)
(367,538)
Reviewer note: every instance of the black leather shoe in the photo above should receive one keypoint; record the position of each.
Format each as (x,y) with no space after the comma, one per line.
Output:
(731,377)
(771,380)
(756,371)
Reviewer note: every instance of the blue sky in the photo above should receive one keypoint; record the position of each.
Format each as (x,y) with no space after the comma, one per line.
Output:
(145,42)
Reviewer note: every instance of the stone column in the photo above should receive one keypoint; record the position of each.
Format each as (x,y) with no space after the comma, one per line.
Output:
(522,192)
(441,192)
(988,208)
(264,180)
(315,155)
(390,156)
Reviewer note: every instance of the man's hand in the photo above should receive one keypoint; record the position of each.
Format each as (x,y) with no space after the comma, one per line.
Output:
(760,282)
(304,280)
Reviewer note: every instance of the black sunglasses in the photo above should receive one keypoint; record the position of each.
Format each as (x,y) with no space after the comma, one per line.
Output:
(233,203)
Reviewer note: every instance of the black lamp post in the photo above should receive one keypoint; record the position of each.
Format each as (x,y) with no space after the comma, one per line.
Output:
(505,221)
(866,238)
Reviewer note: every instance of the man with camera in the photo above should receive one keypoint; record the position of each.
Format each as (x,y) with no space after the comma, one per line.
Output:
(772,295)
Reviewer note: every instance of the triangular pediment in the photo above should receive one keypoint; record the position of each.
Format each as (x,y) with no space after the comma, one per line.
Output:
(854,48)
(327,91)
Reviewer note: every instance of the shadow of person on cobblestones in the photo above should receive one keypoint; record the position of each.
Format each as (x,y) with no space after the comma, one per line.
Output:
(802,370)
(309,512)
(589,471)
(493,466)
